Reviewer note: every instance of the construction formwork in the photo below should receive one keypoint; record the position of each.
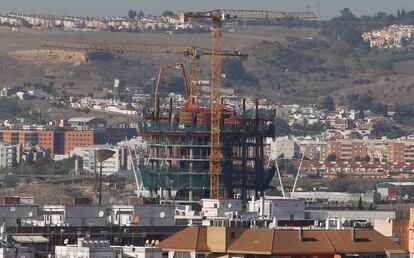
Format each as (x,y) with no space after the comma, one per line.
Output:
(179,150)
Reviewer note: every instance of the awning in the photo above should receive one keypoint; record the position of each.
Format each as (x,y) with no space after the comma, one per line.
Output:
(31,239)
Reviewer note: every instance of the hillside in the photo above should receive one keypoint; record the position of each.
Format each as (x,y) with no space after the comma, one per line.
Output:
(286,64)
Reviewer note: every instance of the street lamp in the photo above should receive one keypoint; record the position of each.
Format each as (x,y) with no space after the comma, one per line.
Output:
(101,156)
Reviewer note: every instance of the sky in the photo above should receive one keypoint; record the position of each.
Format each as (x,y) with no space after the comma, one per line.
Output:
(325,9)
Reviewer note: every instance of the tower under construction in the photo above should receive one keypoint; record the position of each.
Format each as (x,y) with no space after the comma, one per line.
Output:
(178,156)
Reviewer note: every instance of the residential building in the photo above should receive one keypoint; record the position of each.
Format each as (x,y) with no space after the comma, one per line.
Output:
(278,207)
(250,242)
(8,155)
(87,123)
(102,249)
(283,147)
(48,139)
(114,164)
(87,249)
(61,141)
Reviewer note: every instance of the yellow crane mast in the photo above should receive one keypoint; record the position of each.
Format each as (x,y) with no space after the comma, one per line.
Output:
(217,17)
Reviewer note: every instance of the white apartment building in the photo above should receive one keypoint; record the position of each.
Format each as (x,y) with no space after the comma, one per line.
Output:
(270,207)
(102,249)
(114,164)
(283,146)
(8,155)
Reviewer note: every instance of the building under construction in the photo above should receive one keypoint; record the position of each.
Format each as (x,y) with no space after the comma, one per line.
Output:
(178,155)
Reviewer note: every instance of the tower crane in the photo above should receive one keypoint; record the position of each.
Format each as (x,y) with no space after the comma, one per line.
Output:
(193,52)
(217,17)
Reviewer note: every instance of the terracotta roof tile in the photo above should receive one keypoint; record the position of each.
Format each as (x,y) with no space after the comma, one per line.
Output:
(284,241)
(366,241)
(314,242)
(189,239)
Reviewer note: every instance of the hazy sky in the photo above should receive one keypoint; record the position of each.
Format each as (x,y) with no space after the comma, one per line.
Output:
(324,8)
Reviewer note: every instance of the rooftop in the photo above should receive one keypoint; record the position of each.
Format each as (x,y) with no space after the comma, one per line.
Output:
(278,241)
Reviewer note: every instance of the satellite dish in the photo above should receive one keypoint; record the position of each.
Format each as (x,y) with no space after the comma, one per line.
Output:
(66,241)
(162,214)
(135,219)
(30,213)
(147,241)
(101,214)
(157,242)
(102,155)
(229,205)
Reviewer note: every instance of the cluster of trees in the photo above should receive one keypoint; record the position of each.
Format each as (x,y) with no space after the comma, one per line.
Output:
(132,14)
(173,84)
(290,57)
(404,114)
(387,129)
(327,103)
(365,101)
(306,129)
(348,27)
(282,127)
(43,167)
(46,87)
(11,108)
(234,70)
(346,184)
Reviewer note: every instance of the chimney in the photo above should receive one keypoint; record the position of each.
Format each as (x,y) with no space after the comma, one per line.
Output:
(300,234)
(353,238)
(262,207)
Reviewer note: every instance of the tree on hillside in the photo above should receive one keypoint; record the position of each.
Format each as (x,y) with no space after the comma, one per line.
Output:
(328,103)
(168,13)
(132,14)
(141,14)
(331,157)
(234,70)
(360,205)
(388,129)
(361,114)
(281,127)
(346,15)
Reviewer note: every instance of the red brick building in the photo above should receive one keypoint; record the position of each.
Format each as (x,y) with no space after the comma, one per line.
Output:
(63,140)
